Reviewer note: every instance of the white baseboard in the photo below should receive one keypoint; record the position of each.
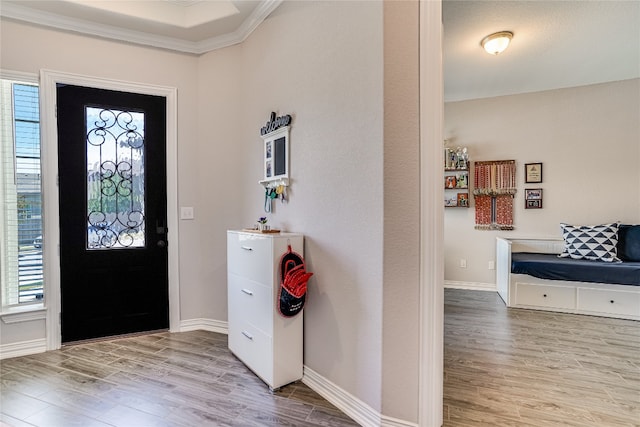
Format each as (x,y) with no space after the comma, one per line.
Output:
(362,413)
(359,411)
(23,348)
(394,422)
(204,324)
(472,286)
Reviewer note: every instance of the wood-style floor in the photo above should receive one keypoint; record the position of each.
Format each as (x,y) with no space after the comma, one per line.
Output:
(185,379)
(515,367)
(503,367)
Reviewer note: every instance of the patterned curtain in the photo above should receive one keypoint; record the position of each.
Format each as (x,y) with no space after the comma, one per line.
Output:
(495,186)
(483,212)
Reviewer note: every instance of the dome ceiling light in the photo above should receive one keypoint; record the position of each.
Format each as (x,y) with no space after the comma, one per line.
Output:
(496,43)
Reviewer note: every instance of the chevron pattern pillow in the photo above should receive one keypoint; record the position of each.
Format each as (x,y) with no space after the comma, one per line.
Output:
(593,242)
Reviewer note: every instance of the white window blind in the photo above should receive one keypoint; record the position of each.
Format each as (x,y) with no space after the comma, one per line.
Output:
(20,188)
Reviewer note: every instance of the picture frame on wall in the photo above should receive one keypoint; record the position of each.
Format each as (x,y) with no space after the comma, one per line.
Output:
(533,173)
(450,182)
(533,198)
(276,154)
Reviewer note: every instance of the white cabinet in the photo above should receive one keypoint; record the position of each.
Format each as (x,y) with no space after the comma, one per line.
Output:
(268,343)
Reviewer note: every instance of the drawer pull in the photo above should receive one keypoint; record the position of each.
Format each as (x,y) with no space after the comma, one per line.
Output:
(248,335)
(248,292)
(612,301)
(247,248)
(544,295)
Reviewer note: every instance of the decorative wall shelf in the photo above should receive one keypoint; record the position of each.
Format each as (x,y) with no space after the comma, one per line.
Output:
(274,183)
(456,178)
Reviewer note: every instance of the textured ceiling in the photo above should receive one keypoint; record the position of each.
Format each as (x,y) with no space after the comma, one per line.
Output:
(192,26)
(556,44)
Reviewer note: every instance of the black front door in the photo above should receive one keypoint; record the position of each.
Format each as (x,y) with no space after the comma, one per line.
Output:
(112,189)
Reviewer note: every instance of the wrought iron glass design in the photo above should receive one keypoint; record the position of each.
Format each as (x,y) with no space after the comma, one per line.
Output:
(115,178)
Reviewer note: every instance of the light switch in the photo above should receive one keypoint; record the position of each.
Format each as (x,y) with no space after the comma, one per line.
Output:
(186,212)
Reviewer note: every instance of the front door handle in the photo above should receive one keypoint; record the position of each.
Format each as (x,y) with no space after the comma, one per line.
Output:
(161,243)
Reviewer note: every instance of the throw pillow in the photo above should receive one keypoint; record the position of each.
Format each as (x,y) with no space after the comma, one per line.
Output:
(593,242)
(629,243)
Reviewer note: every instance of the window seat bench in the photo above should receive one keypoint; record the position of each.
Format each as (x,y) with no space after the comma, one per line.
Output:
(530,275)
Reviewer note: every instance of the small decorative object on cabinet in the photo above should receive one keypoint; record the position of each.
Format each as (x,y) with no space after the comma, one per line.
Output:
(456,177)
(268,343)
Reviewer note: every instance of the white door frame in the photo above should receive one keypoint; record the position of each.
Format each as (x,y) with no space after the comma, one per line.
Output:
(431,216)
(49,155)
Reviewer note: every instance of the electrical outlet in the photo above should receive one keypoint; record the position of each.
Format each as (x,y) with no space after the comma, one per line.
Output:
(492,265)
(463,263)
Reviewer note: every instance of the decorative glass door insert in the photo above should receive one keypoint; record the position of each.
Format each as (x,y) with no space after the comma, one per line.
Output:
(115,178)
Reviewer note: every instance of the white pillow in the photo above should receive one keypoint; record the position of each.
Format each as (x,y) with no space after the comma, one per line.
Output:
(593,242)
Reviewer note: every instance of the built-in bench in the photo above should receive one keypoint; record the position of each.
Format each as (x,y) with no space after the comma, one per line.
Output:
(529,274)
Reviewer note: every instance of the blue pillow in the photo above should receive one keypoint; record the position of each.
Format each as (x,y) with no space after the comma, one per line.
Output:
(629,243)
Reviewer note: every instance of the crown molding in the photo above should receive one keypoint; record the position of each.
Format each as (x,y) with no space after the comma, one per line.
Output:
(33,16)
(258,15)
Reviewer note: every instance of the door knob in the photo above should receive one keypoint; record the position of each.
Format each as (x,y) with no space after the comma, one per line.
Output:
(161,243)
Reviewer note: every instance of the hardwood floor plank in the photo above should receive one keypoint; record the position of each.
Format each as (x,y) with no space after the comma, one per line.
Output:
(502,367)
(21,406)
(163,379)
(54,416)
(125,416)
(555,369)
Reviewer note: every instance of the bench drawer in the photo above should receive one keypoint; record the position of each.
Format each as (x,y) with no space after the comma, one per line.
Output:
(545,296)
(609,301)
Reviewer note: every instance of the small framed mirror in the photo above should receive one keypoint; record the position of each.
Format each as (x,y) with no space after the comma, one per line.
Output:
(276,154)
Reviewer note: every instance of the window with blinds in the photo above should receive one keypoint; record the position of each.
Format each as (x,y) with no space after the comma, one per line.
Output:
(20,188)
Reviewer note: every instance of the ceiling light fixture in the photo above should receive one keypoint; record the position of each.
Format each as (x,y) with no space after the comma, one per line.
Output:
(497,42)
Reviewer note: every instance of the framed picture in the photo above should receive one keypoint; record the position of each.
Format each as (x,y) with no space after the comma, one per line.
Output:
(463,199)
(268,150)
(276,154)
(450,182)
(462,180)
(533,198)
(533,173)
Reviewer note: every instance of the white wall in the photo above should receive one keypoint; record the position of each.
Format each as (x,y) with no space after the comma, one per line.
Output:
(322,62)
(401,307)
(588,139)
(28,48)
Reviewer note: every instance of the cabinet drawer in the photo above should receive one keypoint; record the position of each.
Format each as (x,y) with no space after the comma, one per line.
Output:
(250,302)
(609,301)
(254,348)
(545,296)
(250,255)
